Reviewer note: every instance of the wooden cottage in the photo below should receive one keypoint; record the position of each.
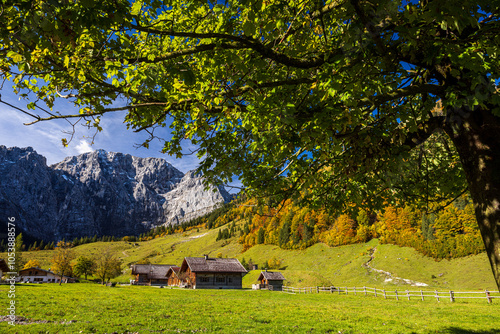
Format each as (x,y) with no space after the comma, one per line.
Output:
(38,275)
(271,280)
(173,277)
(150,274)
(212,273)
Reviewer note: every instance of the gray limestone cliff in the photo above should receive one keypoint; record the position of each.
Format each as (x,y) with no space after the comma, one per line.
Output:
(98,193)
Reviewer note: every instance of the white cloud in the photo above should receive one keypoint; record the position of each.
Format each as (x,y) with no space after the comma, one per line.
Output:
(45,137)
(83,147)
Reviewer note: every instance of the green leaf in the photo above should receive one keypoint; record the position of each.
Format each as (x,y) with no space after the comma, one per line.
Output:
(136,8)
(249,28)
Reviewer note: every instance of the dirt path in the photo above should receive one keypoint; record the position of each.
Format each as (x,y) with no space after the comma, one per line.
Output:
(388,276)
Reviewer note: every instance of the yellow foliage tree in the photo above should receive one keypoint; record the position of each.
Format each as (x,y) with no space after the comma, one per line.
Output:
(31,264)
(61,261)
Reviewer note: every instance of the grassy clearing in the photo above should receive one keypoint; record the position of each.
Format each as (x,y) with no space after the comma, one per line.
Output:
(317,265)
(91,308)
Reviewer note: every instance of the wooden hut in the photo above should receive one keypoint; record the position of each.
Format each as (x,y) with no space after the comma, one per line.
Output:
(212,273)
(271,280)
(150,274)
(38,275)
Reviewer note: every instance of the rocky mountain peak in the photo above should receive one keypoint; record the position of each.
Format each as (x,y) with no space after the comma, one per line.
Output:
(99,193)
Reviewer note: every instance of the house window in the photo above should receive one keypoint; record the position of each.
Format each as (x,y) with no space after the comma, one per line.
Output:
(204,279)
(230,280)
(220,279)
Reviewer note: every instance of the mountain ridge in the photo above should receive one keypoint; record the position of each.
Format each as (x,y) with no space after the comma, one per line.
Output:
(98,193)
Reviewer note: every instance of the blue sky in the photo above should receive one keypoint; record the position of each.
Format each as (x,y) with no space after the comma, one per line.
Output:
(45,137)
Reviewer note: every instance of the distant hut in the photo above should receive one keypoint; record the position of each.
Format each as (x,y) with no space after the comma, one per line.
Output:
(271,280)
(212,273)
(150,274)
(38,275)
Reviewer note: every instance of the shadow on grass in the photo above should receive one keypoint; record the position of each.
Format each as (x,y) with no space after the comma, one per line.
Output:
(456,330)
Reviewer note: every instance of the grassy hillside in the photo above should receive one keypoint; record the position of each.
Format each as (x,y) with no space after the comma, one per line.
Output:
(316,265)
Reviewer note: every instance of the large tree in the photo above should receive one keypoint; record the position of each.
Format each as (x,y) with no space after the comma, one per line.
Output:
(338,101)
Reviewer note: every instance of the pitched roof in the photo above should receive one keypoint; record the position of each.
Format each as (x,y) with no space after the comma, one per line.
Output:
(271,276)
(173,271)
(213,265)
(153,271)
(26,272)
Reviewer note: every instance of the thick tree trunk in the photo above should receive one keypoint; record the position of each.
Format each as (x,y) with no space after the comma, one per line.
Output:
(476,136)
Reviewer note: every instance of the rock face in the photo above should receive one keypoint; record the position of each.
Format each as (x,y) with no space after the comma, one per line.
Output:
(98,193)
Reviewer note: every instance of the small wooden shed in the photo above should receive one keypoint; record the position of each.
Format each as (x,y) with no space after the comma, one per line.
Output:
(272,280)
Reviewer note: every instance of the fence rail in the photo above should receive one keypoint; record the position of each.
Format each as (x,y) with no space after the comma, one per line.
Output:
(401,294)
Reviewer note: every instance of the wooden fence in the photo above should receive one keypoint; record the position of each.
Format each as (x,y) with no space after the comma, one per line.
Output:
(401,294)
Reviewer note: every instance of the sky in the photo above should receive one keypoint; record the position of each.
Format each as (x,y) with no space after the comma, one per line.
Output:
(45,137)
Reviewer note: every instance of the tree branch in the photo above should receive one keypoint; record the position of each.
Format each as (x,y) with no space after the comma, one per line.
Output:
(245,42)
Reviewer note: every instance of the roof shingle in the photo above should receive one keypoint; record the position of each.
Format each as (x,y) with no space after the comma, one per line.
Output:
(154,271)
(214,265)
(271,276)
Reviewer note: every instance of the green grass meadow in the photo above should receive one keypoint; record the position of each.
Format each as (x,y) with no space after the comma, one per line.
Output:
(92,308)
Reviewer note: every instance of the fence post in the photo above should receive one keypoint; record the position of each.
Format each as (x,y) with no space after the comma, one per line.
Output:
(408,294)
(338,290)
(317,289)
(375,292)
(488,297)
(331,289)
(437,295)
(354,290)
(452,297)
(385,296)
(346,290)
(364,288)
(397,295)
(422,295)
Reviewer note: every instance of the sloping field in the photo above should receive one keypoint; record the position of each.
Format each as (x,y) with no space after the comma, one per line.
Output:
(318,265)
